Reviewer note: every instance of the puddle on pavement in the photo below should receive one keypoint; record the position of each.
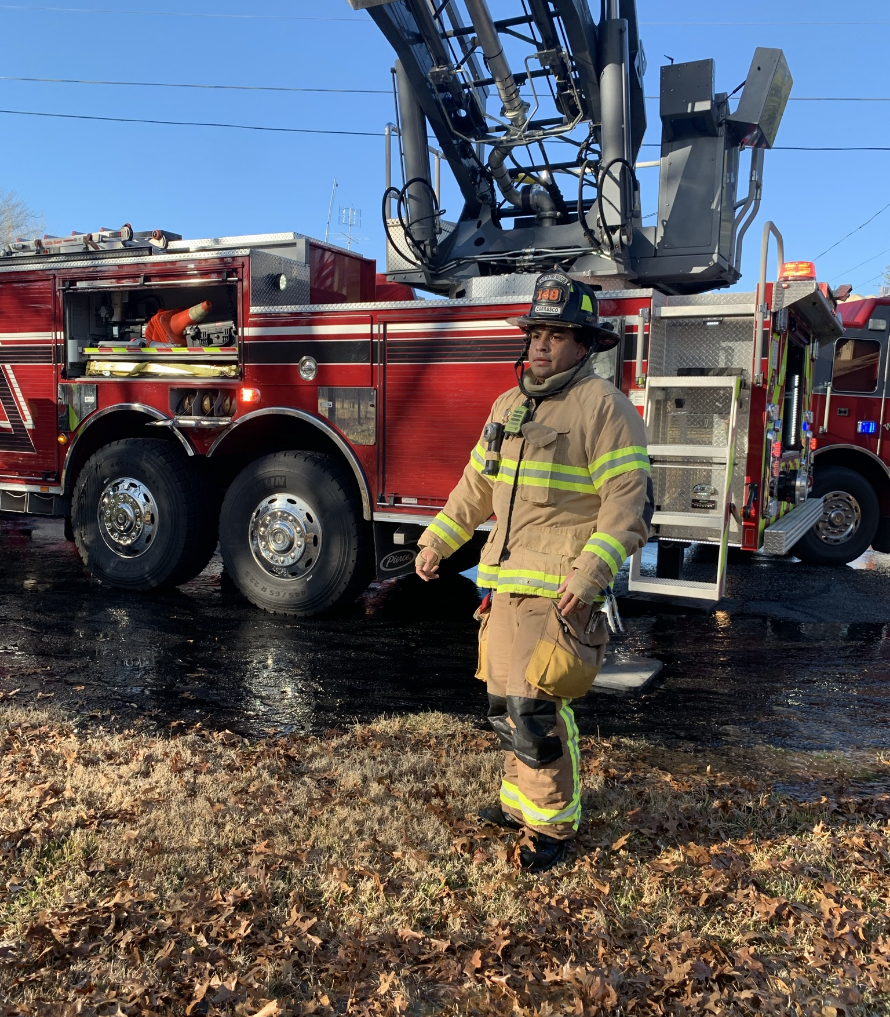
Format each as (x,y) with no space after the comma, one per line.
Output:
(800,659)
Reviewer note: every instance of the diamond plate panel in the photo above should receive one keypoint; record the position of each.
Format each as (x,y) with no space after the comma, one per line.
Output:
(689,344)
(519,285)
(394,260)
(681,487)
(719,423)
(690,416)
(265,272)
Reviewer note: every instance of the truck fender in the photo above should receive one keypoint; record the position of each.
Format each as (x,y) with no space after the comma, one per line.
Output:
(149,411)
(852,448)
(320,424)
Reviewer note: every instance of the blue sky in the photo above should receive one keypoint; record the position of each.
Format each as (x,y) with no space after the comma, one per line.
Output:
(202,181)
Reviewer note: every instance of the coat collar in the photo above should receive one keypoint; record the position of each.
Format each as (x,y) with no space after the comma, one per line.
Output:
(539,389)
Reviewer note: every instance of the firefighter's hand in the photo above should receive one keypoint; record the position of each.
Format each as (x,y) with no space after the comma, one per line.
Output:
(426,564)
(569,603)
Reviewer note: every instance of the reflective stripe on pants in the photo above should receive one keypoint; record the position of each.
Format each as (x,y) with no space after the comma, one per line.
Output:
(541,785)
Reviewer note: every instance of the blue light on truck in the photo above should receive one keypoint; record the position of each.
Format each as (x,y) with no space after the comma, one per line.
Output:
(866,427)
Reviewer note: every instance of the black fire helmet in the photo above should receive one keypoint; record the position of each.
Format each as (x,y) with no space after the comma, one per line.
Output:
(567,303)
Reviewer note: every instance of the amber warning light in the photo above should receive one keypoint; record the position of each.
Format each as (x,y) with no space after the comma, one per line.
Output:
(798,270)
(249,395)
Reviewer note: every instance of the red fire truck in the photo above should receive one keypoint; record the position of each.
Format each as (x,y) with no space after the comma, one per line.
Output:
(271,394)
(852,456)
(297,421)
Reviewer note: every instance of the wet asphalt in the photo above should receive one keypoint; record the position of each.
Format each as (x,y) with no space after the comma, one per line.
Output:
(796,656)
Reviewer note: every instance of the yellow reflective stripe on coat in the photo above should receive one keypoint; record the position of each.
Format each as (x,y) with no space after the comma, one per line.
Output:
(613,464)
(605,546)
(525,581)
(559,476)
(448,530)
(477,458)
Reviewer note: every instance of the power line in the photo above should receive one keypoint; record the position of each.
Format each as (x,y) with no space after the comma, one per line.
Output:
(830,148)
(171,84)
(363,21)
(364,134)
(838,98)
(806,148)
(180,14)
(821,98)
(858,228)
(758,24)
(838,275)
(191,123)
(859,285)
(349,91)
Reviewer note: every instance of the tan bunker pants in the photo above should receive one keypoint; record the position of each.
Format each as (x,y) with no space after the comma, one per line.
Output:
(534,663)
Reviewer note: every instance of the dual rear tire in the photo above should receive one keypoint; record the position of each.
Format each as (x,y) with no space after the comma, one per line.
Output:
(290,530)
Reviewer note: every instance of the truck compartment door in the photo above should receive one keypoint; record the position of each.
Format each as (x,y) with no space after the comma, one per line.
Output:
(28,447)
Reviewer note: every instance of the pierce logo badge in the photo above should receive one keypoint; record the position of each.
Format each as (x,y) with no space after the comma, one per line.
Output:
(396,560)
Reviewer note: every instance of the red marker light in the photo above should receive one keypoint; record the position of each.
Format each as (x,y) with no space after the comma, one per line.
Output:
(798,270)
(249,395)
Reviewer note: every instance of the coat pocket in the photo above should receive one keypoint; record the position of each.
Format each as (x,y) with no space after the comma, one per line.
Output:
(483,616)
(569,653)
(545,448)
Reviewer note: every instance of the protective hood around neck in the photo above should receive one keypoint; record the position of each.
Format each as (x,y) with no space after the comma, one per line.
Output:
(538,389)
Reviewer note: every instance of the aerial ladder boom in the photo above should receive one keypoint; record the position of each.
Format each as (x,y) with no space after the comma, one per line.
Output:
(540,117)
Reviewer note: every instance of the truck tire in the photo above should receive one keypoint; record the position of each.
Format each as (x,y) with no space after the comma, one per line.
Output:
(292,536)
(139,516)
(850,520)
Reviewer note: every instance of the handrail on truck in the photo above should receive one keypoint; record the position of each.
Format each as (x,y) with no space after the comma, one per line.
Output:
(760,297)
(388,132)
(824,426)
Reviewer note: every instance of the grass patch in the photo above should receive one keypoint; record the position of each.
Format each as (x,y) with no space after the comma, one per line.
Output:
(201,873)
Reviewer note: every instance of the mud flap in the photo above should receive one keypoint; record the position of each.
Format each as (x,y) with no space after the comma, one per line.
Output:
(395,560)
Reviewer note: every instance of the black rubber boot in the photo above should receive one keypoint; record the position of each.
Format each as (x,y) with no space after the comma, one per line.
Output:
(543,854)
(494,815)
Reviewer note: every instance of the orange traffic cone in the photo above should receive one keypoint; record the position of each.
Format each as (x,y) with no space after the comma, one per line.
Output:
(168,327)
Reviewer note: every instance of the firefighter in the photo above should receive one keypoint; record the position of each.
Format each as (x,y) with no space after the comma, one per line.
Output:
(563,466)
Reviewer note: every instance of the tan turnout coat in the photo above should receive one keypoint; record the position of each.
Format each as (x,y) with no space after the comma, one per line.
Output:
(572,497)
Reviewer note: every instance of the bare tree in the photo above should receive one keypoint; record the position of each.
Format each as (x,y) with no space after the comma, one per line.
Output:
(17,218)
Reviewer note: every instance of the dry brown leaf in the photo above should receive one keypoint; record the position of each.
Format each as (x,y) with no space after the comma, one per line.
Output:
(271,1009)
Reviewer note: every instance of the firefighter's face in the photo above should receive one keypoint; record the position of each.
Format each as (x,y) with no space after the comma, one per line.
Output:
(553,350)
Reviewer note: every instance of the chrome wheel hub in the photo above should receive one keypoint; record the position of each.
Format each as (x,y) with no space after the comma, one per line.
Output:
(285,536)
(840,518)
(128,517)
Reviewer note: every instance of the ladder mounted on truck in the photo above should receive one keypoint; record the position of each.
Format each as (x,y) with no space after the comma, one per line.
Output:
(548,173)
(88,243)
(698,456)
(710,357)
